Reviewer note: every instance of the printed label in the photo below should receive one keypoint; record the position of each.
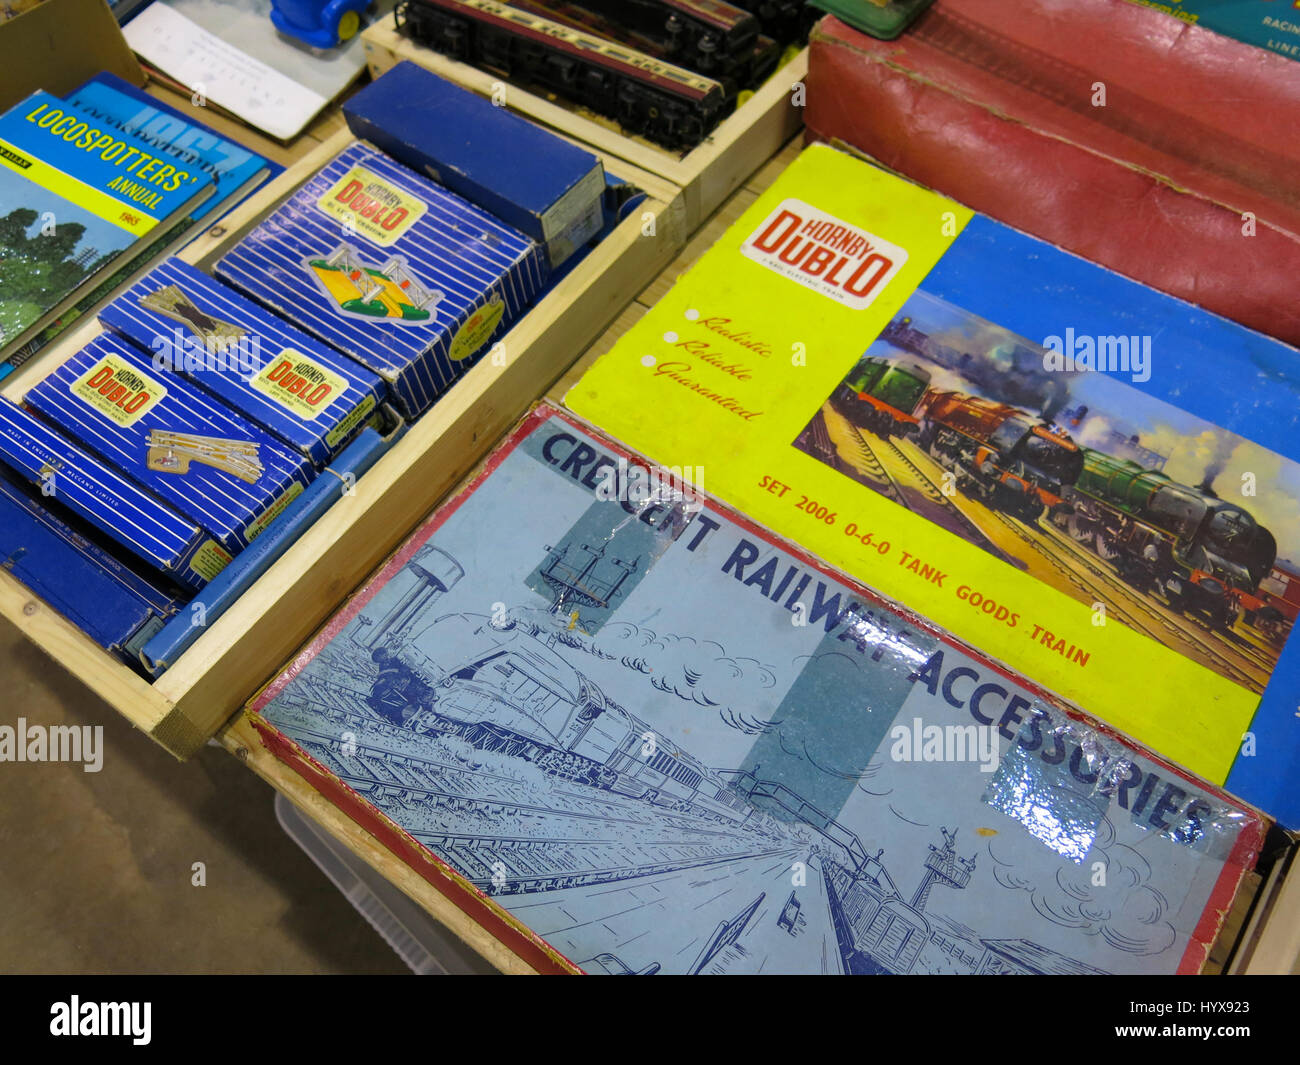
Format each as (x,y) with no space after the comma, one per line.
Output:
(209,560)
(474,333)
(256,528)
(118,391)
(375,208)
(825,254)
(301,386)
(358,415)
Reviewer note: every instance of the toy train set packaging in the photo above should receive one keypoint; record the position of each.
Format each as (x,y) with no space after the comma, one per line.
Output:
(551,191)
(1093,482)
(73,478)
(213,466)
(392,270)
(114,605)
(648,736)
(305,393)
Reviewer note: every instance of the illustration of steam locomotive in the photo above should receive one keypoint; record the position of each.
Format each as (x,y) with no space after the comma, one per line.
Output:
(499,684)
(880,395)
(1205,555)
(1007,458)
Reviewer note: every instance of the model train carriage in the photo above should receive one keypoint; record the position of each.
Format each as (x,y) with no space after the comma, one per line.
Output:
(702,35)
(880,396)
(665,103)
(1206,555)
(1009,459)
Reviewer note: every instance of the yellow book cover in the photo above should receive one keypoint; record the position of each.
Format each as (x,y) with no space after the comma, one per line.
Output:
(1088,480)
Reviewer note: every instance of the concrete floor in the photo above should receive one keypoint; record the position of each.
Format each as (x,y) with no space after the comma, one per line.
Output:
(96,868)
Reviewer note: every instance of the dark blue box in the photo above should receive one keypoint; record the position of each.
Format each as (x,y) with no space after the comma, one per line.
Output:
(109,602)
(530,178)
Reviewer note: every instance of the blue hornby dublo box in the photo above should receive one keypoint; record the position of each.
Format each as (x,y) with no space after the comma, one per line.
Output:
(305,393)
(97,493)
(550,190)
(392,270)
(109,602)
(215,467)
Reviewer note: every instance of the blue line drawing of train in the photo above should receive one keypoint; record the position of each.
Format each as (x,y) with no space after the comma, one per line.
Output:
(498,683)
(578,795)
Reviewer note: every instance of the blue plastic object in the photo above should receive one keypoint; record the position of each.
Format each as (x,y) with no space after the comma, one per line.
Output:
(322,25)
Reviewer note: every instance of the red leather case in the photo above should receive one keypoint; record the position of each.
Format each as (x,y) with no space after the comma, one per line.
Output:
(995,103)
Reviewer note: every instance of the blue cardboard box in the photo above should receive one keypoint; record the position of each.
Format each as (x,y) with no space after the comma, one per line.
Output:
(392,270)
(305,393)
(95,492)
(528,177)
(215,467)
(110,603)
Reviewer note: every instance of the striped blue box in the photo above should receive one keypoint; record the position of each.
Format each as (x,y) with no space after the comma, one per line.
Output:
(87,487)
(109,602)
(214,466)
(392,270)
(303,392)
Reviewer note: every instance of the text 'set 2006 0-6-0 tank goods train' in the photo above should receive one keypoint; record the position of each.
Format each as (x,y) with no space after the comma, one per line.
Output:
(1207,556)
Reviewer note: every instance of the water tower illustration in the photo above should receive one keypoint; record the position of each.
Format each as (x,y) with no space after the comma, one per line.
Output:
(425,579)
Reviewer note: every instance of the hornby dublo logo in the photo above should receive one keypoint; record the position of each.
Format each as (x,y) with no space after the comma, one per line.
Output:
(824,253)
(367,204)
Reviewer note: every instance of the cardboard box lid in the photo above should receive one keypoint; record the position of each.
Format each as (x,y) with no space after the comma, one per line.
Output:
(60,44)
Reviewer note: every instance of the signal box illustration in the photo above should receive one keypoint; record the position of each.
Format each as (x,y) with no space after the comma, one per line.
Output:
(390,291)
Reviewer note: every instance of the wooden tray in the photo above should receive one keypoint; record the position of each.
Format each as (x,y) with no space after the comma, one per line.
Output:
(253,639)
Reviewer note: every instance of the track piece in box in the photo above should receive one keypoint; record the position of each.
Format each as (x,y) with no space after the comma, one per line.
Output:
(390,269)
(289,383)
(96,492)
(211,464)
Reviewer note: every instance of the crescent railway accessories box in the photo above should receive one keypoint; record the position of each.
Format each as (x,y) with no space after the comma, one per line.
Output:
(305,393)
(95,492)
(208,462)
(543,186)
(109,602)
(390,269)
(645,735)
(1091,481)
